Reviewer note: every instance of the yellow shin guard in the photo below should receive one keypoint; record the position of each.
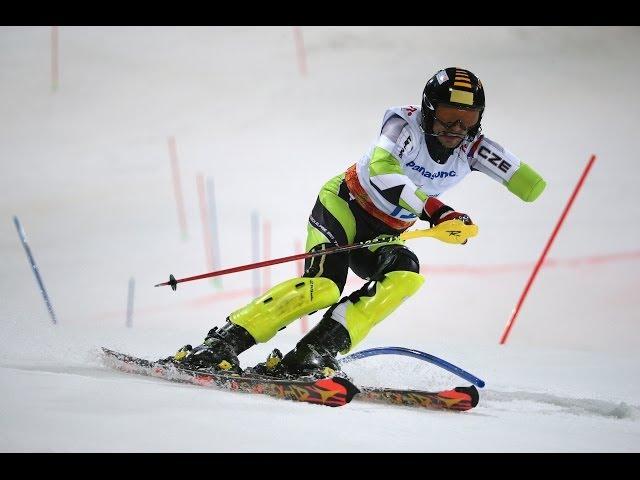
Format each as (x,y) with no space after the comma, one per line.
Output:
(360,317)
(282,304)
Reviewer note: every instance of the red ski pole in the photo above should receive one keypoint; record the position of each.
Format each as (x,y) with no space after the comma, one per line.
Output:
(452,231)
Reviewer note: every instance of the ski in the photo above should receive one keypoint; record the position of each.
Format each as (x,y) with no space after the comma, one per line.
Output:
(459,399)
(332,391)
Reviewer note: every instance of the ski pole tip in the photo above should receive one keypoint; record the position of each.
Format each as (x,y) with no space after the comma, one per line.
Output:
(173,283)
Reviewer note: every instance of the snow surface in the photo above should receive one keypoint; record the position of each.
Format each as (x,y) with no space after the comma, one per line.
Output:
(86,168)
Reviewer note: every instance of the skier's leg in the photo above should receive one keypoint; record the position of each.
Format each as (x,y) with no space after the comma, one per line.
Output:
(282,304)
(331,222)
(393,274)
(394,278)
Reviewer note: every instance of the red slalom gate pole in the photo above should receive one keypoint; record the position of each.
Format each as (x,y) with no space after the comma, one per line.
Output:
(516,310)
(300,51)
(177,189)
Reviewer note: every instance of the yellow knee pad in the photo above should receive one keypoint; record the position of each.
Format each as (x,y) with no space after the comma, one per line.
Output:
(360,317)
(282,304)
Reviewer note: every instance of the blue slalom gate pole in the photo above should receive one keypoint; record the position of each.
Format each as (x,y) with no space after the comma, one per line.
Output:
(130,294)
(34,268)
(407,352)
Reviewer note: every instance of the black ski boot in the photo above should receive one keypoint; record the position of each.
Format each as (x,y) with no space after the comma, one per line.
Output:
(219,352)
(315,354)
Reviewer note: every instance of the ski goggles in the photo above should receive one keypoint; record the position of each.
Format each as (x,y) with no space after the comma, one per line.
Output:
(450,125)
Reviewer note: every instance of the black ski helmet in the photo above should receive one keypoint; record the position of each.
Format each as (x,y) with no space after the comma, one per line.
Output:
(456,87)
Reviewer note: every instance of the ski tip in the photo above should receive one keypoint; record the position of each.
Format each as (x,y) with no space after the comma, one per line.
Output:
(472,391)
(106,353)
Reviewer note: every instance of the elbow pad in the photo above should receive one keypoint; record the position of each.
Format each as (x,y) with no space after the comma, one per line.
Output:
(526,183)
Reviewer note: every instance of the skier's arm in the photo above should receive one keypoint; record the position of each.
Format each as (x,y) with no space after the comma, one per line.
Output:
(503,166)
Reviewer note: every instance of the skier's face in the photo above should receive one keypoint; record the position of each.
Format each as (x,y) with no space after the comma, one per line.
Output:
(452,124)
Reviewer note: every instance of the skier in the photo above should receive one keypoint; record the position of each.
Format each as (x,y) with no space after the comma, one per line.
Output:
(421,152)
